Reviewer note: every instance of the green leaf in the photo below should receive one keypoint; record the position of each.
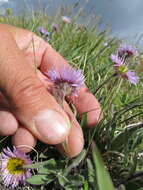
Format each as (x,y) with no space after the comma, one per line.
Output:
(86,186)
(40,179)
(103,178)
(44,170)
(75,162)
(91,171)
(50,164)
(121,139)
(76,180)
(72,181)
(63,180)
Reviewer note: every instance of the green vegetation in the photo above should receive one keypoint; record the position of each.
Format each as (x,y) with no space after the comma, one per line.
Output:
(118,135)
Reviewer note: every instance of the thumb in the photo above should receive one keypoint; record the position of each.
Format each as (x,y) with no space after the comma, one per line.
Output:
(29,101)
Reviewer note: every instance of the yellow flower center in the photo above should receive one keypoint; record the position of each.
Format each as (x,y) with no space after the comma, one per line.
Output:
(15,166)
(122,69)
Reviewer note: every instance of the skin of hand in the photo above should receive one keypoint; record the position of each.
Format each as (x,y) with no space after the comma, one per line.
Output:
(27,110)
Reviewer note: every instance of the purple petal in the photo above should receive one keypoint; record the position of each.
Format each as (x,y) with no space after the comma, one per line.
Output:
(131,76)
(116,60)
(66,79)
(43,31)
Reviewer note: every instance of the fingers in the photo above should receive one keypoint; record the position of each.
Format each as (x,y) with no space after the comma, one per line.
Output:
(8,123)
(74,143)
(47,58)
(23,139)
(86,101)
(29,100)
(51,59)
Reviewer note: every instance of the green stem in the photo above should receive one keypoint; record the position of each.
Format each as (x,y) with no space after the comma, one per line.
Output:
(106,81)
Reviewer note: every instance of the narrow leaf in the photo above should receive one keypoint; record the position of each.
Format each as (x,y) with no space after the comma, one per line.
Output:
(75,162)
(121,139)
(51,164)
(40,179)
(103,178)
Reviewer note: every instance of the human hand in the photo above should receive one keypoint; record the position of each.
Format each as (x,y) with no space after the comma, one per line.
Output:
(27,110)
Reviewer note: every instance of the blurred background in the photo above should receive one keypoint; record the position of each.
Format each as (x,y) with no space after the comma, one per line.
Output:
(123,18)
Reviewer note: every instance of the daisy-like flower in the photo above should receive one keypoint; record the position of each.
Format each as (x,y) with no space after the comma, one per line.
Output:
(122,69)
(119,64)
(67,81)
(66,19)
(127,51)
(11,167)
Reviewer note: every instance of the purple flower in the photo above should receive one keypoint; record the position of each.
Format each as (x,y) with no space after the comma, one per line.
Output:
(55,27)
(127,51)
(66,19)
(43,31)
(67,81)
(11,167)
(122,69)
(131,76)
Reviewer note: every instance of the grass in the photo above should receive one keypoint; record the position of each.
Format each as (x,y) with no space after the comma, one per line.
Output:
(118,135)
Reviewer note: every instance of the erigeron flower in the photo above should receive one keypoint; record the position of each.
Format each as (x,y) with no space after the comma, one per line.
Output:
(125,50)
(67,81)
(12,169)
(44,33)
(122,69)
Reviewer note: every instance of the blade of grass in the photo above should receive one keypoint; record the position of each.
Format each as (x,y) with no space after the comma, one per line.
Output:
(103,178)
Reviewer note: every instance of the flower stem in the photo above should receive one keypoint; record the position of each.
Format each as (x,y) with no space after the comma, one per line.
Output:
(106,81)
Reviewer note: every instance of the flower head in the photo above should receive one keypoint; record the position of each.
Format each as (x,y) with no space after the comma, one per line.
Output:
(66,19)
(55,27)
(11,167)
(43,31)
(122,69)
(119,64)
(127,51)
(67,80)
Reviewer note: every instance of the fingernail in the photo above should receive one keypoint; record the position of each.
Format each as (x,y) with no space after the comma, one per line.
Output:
(52,126)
